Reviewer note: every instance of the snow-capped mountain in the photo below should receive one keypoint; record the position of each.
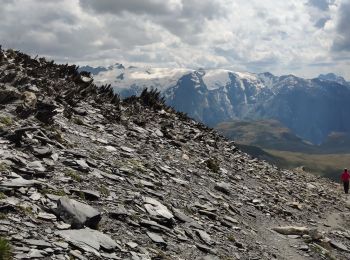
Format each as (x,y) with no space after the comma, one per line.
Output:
(312,108)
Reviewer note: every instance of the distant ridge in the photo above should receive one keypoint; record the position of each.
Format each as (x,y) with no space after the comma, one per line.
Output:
(311,108)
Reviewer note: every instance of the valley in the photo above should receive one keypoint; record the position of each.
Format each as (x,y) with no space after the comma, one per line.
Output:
(271,141)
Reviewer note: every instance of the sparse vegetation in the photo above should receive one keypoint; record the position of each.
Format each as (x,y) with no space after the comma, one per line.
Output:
(213,165)
(7,121)
(5,249)
(231,238)
(161,256)
(54,192)
(26,210)
(73,174)
(81,195)
(104,191)
(136,165)
(78,121)
(2,196)
(3,167)
(152,99)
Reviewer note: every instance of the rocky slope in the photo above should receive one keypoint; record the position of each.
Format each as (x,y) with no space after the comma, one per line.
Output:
(311,108)
(85,175)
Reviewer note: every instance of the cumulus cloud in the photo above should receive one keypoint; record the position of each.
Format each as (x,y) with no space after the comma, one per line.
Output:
(296,36)
(342,40)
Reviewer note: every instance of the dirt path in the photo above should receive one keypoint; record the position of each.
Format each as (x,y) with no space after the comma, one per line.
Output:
(286,248)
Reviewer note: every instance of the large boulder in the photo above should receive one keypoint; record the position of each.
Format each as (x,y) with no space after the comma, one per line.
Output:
(77,214)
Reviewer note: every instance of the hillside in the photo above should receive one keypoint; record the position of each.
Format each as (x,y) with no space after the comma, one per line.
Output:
(337,143)
(271,141)
(311,108)
(86,175)
(326,165)
(269,134)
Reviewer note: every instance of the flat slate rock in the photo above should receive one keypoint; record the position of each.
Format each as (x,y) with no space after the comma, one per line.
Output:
(155,208)
(88,239)
(77,214)
(223,187)
(156,238)
(181,216)
(18,182)
(38,243)
(339,245)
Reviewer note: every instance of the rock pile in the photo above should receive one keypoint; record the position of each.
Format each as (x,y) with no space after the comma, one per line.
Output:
(85,175)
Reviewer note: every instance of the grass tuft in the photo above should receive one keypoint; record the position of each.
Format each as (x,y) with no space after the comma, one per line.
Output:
(104,191)
(73,174)
(5,249)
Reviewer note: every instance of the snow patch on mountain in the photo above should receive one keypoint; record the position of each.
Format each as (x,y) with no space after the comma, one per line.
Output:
(215,79)
(122,78)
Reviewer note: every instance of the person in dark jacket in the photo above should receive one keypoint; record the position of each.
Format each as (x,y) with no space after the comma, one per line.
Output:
(345,177)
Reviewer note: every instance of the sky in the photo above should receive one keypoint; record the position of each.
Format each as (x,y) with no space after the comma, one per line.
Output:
(301,37)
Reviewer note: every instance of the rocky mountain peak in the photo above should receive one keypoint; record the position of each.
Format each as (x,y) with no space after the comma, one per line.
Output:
(88,175)
(333,77)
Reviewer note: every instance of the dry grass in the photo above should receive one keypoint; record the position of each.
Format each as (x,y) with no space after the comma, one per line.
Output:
(328,165)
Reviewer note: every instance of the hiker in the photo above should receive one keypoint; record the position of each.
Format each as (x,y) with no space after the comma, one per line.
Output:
(345,177)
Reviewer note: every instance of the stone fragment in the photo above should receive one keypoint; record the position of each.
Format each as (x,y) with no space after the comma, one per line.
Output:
(203,236)
(88,240)
(291,230)
(223,187)
(155,208)
(46,216)
(77,214)
(206,249)
(35,254)
(339,245)
(38,243)
(91,194)
(127,149)
(36,166)
(156,238)
(181,216)
(18,182)
(179,181)
(42,151)
(230,219)
(110,148)
(119,213)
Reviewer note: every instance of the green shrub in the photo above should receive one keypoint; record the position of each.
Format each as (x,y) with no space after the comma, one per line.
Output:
(213,165)
(5,120)
(5,249)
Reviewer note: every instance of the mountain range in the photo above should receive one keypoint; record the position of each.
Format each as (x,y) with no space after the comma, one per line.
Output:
(311,108)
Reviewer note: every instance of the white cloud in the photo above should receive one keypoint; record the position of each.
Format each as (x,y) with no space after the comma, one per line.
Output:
(305,37)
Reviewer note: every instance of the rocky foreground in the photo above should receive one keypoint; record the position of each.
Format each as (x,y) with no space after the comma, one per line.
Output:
(85,175)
